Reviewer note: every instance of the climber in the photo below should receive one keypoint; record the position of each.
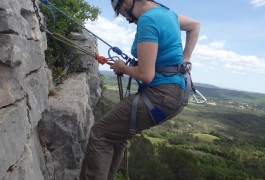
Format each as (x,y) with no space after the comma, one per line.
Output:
(157,44)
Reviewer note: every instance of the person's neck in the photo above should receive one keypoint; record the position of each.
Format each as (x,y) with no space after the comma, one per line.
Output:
(141,7)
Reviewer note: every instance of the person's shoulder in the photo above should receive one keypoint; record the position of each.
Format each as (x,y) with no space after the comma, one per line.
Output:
(153,11)
(156,14)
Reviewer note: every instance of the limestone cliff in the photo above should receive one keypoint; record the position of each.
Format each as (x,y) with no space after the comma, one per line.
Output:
(41,137)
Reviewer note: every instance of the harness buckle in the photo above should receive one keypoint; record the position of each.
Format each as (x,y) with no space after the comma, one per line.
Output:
(185,67)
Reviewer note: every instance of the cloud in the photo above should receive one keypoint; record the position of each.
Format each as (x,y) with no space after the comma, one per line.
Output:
(217,44)
(216,55)
(258,3)
(201,38)
(207,54)
(117,33)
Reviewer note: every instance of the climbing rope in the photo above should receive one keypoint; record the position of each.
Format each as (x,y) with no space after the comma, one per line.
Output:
(100,59)
(68,42)
(114,49)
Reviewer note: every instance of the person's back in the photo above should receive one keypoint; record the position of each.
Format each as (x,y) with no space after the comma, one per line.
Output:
(161,26)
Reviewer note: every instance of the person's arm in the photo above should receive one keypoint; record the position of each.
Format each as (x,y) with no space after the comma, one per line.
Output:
(145,71)
(192,28)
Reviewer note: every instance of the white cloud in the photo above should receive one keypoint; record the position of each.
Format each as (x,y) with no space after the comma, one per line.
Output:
(217,44)
(258,3)
(201,38)
(213,55)
(209,55)
(116,32)
(197,64)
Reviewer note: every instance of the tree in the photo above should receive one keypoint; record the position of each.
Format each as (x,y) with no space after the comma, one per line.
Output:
(57,52)
(162,162)
(182,163)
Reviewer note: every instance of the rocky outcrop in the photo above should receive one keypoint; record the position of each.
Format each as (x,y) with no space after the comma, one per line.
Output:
(65,125)
(88,63)
(41,137)
(23,90)
(64,128)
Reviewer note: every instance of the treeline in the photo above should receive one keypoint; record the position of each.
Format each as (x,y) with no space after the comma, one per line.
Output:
(164,161)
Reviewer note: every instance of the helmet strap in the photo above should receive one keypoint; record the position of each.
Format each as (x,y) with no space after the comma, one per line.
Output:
(130,13)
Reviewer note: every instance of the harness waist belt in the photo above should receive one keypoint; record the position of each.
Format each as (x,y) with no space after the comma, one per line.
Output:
(157,114)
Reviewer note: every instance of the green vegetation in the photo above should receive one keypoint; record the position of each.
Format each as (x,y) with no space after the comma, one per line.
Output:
(205,137)
(231,96)
(221,141)
(57,55)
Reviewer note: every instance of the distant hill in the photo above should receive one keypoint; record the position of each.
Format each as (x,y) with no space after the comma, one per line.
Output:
(233,95)
(206,85)
(109,74)
(211,91)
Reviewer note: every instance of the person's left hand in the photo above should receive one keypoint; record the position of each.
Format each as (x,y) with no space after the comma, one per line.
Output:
(118,66)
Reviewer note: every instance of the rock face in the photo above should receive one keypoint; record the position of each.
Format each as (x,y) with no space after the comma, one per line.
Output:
(41,137)
(88,63)
(65,126)
(23,90)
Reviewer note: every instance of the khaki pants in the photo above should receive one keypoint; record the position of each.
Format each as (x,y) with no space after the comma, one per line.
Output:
(110,133)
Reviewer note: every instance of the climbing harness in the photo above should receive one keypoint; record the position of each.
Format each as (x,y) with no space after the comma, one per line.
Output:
(157,114)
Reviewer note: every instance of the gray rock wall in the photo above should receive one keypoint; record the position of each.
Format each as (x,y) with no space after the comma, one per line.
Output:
(41,137)
(23,90)
(65,126)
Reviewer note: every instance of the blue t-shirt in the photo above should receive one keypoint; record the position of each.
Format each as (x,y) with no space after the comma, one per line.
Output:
(161,26)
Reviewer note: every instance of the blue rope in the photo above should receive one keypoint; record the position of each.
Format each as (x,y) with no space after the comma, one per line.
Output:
(46,2)
(114,49)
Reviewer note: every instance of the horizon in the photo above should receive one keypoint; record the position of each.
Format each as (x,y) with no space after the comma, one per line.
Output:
(224,88)
(230,50)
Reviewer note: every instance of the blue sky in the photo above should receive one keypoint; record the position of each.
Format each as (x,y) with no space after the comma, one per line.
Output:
(231,49)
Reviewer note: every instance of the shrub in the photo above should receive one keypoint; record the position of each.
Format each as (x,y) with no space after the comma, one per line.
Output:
(57,53)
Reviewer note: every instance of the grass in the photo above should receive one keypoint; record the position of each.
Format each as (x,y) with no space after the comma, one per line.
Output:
(155,140)
(205,137)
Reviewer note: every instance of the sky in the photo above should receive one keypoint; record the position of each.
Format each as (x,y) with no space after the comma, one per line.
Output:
(230,52)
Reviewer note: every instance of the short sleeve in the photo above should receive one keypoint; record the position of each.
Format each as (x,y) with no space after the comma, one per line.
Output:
(147,30)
